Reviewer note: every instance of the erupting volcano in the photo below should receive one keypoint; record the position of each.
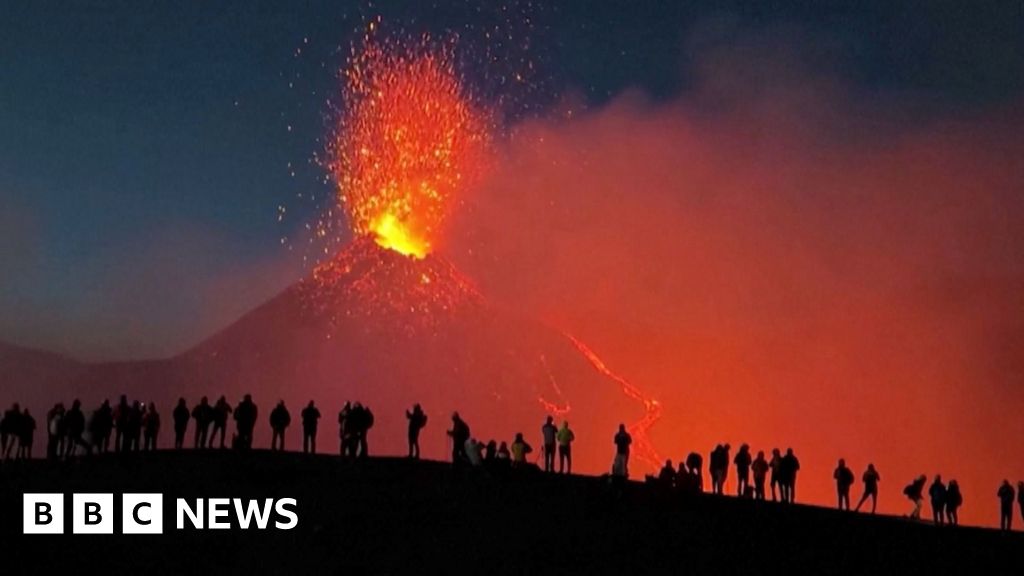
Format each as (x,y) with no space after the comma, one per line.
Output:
(408,141)
(388,321)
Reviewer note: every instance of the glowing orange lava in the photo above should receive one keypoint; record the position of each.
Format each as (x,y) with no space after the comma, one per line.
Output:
(409,139)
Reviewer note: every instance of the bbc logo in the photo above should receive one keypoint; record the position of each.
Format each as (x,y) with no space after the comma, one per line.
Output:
(93,514)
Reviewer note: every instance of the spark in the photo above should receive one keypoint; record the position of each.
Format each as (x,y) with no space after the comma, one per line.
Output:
(409,139)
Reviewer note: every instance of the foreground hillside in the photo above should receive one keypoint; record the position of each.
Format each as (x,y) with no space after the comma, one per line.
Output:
(387,516)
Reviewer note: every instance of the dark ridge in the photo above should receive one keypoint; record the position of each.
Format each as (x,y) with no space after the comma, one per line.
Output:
(395,516)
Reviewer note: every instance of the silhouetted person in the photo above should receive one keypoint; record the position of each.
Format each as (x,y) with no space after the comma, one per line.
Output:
(683,479)
(954,499)
(76,428)
(181,416)
(362,421)
(789,467)
(133,432)
(491,452)
(9,430)
(718,465)
(548,433)
(870,479)
(120,423)
(473,452)
(503,456)
(520,449)
(620,466)
(844,479)
(742,462)
(915,492)
(101,425)
(937,494)
(246,415)
(459,434)
(1020,499)
(219,416)
(55,430)
(150,427)
(417,420)
(695,462)
(565,438)
(775,465)
(1006,495)
(667,476)
(345,429)
(203,415)
(760,469)
(280,419)
(310,422)
(26,435)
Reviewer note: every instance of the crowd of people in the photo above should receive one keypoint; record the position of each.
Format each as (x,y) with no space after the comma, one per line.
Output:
(135,426)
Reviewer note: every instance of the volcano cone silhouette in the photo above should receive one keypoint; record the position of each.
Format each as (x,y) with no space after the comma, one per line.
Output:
(374,326)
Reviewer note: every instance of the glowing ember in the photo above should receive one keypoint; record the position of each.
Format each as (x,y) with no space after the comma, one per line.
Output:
(409,140)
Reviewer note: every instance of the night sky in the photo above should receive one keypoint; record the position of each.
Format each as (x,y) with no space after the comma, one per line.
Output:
(145,148)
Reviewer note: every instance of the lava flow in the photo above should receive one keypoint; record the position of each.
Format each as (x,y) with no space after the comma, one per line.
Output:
(410,138)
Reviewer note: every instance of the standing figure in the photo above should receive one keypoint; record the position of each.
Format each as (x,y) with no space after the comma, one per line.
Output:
(565,438)
(775,464)
(844,479)
(181,416)
(280,419)
(101,425)
(870,480)
(790,466)
(203,415)
(520,449)
(344,426)
(150,427)
(548,432)
(719,467)
(310,422)
(9,430)
(459,434)
(246,415)
(417,420)
(954,499)
(937,494)
(1006,495)
(27,435)
(362,421)
(742,462)
(620,466)
(695,462)
(219,416)
(121,423)
(75,422)
(133,430)
(760,469)
(55,429)
(1020,499)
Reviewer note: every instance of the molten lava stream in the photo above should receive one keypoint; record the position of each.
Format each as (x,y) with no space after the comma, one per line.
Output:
(644,448)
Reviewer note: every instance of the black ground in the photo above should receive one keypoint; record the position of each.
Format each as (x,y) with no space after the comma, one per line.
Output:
(392,516)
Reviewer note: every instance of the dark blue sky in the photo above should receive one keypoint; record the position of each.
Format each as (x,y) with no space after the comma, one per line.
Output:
(145,147)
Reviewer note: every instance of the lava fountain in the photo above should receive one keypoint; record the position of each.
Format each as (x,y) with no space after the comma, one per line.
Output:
(409,139)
